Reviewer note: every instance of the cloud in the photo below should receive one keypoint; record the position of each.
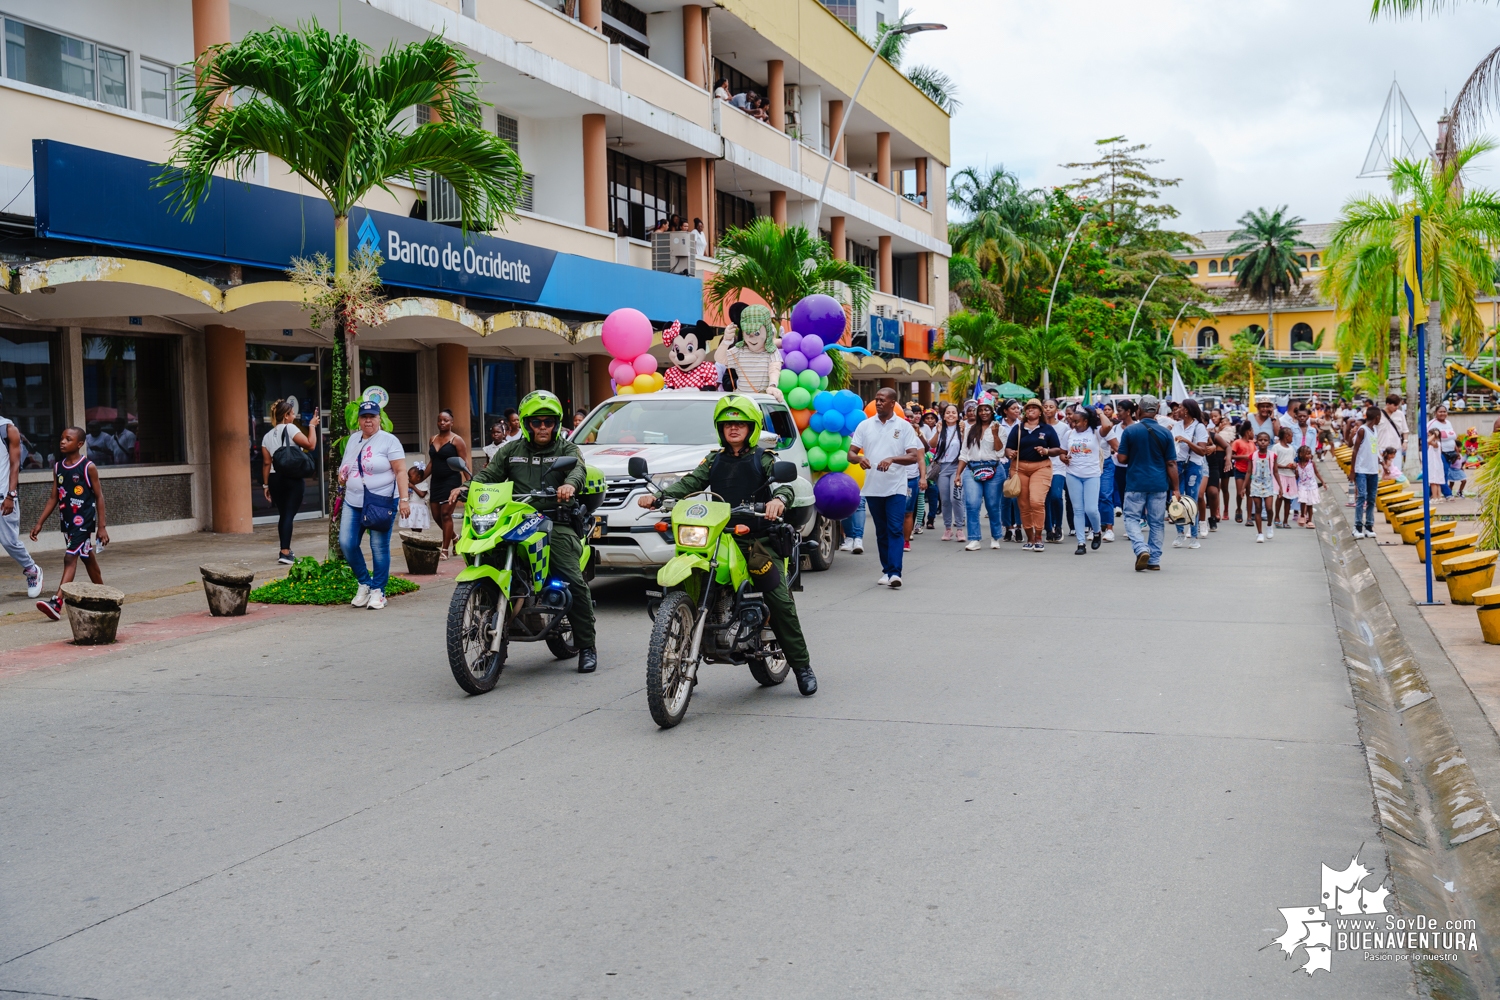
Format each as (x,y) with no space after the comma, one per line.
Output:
(1250,104)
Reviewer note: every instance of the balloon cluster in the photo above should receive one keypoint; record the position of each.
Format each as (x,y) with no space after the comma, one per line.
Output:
(627,338)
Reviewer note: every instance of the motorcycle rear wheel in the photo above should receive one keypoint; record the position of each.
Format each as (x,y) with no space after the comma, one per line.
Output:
(772,669)
(471,631)
(561,641)
(668,686)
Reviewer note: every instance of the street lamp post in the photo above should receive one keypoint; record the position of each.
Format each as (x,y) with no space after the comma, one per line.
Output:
(904,29)
(1046,375)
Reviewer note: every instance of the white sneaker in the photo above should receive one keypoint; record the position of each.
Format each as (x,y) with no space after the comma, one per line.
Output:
(377,600)
(1177,542)
(1109,534)
(361,596)
(884,581)
(1260,537)
(1270,531)
(859,546)
(994,543)
(895,583)
(1195,544)
(972,547)
(34,586)
(847,545)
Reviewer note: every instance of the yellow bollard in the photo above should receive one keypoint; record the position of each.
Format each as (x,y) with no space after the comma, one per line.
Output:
(1440,529)
(1487,603)
(1404,507)
(1384,504)
(1468,574)
(1407,524)
(1446,548)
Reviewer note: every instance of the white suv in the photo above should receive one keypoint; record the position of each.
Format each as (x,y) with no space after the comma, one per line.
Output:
(673,430)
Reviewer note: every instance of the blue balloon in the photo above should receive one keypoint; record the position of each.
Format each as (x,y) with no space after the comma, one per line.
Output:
(818,422)
(848,401)
(823,401)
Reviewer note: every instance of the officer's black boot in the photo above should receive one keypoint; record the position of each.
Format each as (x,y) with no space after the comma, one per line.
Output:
(588,660)
(807,681)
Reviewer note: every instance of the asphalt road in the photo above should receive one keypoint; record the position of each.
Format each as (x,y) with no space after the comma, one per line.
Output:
(1024,776)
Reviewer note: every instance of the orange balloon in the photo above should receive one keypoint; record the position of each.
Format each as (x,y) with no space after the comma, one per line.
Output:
(802,418)
(870,408)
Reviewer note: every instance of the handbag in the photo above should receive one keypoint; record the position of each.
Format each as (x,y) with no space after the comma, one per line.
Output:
(1012,487)
(378,513)
(291,461)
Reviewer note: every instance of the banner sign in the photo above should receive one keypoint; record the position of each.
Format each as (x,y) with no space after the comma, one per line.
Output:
(885,335)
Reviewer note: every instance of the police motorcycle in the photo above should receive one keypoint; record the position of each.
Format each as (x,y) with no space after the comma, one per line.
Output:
(506,593)
(708,610)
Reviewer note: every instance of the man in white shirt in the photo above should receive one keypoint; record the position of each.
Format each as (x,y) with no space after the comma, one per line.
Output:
(10,509)
(881,446)
(700,239)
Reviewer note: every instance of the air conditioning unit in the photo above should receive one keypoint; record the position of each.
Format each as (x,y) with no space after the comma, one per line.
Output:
(442,201)
(882,310)
(673,252)
(528,193)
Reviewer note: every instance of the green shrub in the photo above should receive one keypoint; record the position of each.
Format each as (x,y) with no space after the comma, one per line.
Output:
(312,582)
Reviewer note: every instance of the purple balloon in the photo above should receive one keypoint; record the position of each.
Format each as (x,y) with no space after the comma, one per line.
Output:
(812,344)
(821,316)
(794,361)
(791,341)
(822,364)
(836,495)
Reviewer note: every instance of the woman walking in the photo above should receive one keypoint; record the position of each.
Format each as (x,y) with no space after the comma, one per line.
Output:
(1031,445)
(949,449)
(284,489)
(445,445)
(979,469)
(930,502)
(1084,463)
(1192,464)
(373,464)
(1220,436)
(1112,483)
(1010,507)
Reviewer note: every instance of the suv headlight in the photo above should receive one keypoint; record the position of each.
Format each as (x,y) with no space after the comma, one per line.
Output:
(692,536)
(665,479)
(484,522)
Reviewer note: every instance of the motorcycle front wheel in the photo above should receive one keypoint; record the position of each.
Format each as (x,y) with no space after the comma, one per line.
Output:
(474,614)
(668,685)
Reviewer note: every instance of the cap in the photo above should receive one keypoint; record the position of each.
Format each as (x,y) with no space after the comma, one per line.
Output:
(1148,402)
(369,408)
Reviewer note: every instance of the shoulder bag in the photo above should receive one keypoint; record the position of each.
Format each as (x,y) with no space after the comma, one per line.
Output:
(290,460)
(378,513)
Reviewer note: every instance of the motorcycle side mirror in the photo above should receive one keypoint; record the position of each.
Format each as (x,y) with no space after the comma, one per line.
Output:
(563,464)
(457,464)
(638,468)
(784,472)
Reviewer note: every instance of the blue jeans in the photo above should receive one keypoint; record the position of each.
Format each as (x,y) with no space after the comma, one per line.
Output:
(854,524)
(350,532)
(1054,510)
(889,515)
(1107,495)
(1192,478)
(1146,523)
(1084,494)
(989,494)
(1365,484)
(1010,507)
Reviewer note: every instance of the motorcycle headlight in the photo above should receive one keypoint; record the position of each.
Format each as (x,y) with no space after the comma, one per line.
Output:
(484,522)
(692,536)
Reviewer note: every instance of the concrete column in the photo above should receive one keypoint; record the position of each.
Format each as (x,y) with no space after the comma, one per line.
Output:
(697,190)
(922,180)
(836,236)
(888,383)
(228,430)
(836,122)
(694,50)
(776,84)
(924,278)
(883,158)
(598,379)
(453,386)
(887,265)
(591,13)
(924,393)
(71,365)
(778,207)
(595,172)
(210,26)
(711,220)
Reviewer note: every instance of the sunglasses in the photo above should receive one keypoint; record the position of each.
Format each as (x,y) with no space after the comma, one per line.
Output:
(536,422)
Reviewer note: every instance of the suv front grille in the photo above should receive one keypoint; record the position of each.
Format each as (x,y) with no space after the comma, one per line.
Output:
(617,490)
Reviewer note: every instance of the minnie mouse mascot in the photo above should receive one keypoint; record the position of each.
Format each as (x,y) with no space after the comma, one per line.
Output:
(687,351)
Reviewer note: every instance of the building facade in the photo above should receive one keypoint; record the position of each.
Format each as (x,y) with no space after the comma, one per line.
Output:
(168,341)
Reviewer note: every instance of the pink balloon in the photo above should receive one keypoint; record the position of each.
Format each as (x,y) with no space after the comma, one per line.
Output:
(644,364)
(794,361)
(812,345)
(791,341)
(822,364)
(626,333)
(622,372)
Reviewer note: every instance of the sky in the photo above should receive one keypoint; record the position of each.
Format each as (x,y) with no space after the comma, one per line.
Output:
(1250,104)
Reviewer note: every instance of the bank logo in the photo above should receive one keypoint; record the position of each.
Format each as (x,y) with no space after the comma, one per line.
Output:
(1310,927)
(369,236)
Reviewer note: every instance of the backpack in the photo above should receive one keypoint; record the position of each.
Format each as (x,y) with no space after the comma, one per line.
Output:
(290,460)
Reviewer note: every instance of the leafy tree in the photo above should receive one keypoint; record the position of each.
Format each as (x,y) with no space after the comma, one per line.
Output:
(982,341)
(1239,362)
(1005,228)
(782,264)
(1268,243)
(1045,354)
(1120,183)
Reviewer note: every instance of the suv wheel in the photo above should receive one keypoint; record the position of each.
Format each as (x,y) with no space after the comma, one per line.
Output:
(825,532)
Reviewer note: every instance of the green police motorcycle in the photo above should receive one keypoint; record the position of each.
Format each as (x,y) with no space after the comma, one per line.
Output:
(708,609)
(506,592)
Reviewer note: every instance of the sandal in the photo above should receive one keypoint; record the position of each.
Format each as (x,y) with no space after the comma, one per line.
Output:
(1238,517)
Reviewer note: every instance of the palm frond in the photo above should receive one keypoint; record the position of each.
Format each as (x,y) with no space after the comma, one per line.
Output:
(937,85)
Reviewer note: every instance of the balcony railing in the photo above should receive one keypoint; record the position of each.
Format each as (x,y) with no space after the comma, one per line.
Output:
(1310,357)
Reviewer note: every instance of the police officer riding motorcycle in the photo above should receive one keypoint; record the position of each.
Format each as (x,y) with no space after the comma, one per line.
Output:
(738,474)
(526,462)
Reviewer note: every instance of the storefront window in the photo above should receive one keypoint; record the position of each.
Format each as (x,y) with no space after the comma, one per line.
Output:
(396,373)
(557,378)
(28,394)
(493,389)
(132,397)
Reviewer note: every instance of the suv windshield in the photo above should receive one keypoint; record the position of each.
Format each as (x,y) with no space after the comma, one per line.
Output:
(630,420)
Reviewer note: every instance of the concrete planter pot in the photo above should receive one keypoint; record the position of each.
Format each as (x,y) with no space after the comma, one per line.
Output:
(93,612)
(421,553)
(227,588)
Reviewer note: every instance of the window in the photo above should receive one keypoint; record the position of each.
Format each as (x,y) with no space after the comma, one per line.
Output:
(492,390)
(1192,267)
(1315,261)
(739,83)
(1302,337)
(626,25)
(1208,338)
(845,10)
(1213,267)
(1302,260)
(396,373)
(730,211)
(650,420)
(1224,265)
(132,399)
(28,394)
(557,378)
(641,195)
(165,90)
(60,62)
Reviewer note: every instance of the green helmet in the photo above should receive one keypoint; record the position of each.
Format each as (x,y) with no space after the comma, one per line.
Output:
(735,409)
(540,401)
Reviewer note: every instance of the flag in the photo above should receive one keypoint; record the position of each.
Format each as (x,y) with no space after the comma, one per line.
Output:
(1251,404)
(1179,390)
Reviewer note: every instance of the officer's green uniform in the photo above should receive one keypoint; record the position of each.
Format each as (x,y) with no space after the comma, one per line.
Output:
(763,563)
(525,464)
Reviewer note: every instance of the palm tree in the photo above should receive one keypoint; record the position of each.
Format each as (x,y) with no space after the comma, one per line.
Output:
(1046,353)
(1363,281)
(1006,230)
(1268,243)
(937,85)
(782,264)
(1109,360)
(982,340)
(333,113)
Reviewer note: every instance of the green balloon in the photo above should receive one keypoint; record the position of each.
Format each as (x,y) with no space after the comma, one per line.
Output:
(838,461)
(844,442)
(799,398)
(787,380)
(808,380)
(822,381)
(817,458)
(809,438)
(829,441)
